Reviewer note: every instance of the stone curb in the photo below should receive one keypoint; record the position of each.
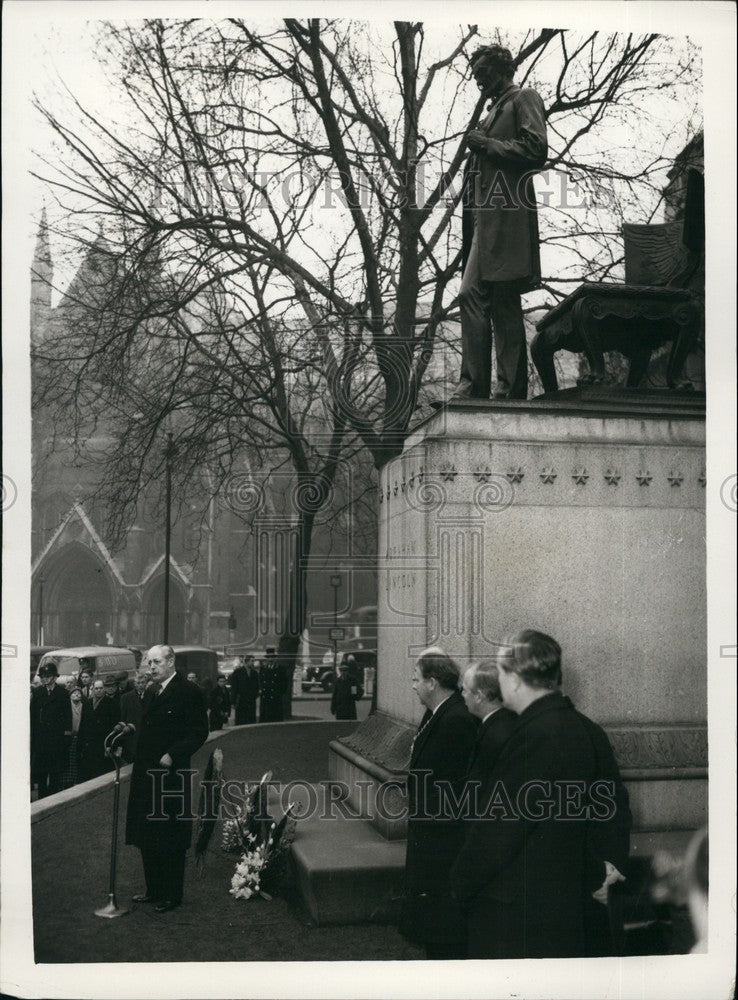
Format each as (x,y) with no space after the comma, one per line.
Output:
(43,808)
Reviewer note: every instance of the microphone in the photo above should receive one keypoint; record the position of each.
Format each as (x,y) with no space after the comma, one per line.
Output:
(123,727)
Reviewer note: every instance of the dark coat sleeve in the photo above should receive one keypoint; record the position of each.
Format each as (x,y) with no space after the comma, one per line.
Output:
(608,834)
(66,712)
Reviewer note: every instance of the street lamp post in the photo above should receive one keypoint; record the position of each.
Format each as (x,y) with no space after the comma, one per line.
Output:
(169,453)
(232,626)
(336,584)
(40,611)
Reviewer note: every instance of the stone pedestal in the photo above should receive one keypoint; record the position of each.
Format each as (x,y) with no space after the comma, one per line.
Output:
(580,514)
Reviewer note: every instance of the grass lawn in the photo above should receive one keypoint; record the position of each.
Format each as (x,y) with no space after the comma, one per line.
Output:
(71,855)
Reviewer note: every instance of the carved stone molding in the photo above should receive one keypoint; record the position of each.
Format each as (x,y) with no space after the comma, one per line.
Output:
(383,741)
(667,751)
(658,747)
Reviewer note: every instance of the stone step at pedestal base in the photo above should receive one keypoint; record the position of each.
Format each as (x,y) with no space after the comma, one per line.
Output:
(346,872)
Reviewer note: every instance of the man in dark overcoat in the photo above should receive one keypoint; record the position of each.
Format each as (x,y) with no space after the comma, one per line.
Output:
(439,757)
(174,725)
(245,691)
(500,224)
(480,689)
(346,692)
(219,705)
(525,874)
(51,731)
(96,725)
(273,681)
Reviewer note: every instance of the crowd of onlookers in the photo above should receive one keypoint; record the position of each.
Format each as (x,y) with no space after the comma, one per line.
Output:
(70,721)
(71,717)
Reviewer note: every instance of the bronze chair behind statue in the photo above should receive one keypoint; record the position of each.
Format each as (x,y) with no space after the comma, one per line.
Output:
(661,301)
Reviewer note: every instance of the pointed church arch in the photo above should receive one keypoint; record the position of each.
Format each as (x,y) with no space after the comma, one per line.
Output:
(76,593)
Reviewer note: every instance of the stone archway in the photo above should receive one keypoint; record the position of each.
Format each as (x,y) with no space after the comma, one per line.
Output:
(78,603)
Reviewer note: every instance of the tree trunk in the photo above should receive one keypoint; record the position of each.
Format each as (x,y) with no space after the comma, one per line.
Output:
(294,624)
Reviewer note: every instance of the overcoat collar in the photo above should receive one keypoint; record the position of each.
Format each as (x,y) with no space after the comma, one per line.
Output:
(553,702)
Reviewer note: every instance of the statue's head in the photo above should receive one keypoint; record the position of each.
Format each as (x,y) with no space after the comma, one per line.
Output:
(493,67)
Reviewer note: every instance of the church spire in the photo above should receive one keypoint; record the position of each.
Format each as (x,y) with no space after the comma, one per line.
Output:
(42,274)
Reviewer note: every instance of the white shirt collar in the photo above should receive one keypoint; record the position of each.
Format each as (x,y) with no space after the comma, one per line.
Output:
(489,714)
(434,710)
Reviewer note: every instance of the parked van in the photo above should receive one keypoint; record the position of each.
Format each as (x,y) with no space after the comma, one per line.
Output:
(198,660)
(100,661)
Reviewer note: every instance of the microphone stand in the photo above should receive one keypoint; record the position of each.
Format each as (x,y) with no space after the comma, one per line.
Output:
(111,908)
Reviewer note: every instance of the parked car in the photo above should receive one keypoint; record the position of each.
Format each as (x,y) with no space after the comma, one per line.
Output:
(319,675)
(199,660)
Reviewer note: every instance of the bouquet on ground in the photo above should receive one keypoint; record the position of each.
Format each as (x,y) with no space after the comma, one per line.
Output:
(262,843)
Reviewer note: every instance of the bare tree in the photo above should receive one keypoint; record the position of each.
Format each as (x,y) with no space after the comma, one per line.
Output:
(332,151)
(279,204)
(142,351)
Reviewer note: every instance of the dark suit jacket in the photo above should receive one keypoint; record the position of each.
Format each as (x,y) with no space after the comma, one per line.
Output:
(500,193)
(219,707)
(175,723)
(96,724)
(526,881)
(440,755)
(492,735)
(245,691)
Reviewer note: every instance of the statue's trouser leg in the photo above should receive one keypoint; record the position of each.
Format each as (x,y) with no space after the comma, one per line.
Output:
(476,332)
(510,348)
